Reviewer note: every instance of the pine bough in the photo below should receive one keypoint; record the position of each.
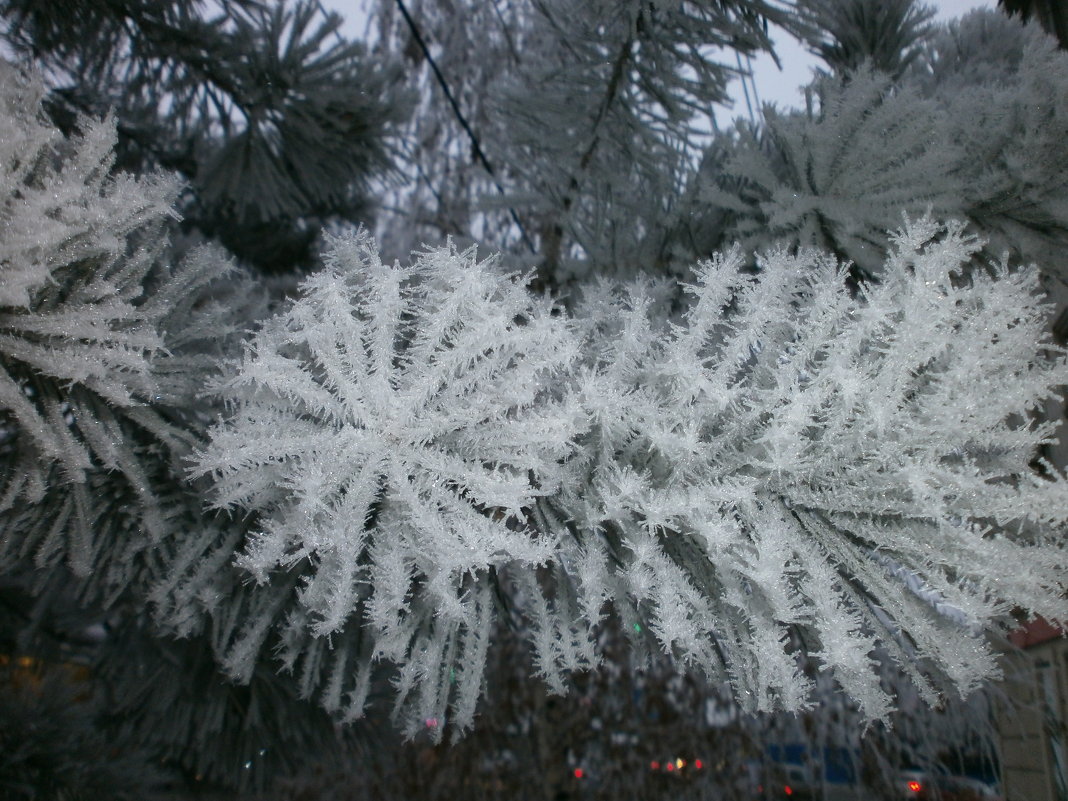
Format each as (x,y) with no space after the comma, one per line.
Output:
(798,465)
(96,336)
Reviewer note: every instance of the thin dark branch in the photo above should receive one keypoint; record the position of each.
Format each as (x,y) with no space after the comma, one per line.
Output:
(611,91)
(475,144)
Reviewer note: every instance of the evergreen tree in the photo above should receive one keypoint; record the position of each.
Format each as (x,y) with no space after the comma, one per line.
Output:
(1004,87)
(811,461)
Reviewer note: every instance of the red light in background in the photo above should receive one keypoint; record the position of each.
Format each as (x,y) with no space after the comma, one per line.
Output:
(654,765)
(788,790)
(670,766)
(698,764)
(579,773)
(915,786)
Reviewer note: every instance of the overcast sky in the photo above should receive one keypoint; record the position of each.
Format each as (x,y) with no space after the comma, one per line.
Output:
(773,85)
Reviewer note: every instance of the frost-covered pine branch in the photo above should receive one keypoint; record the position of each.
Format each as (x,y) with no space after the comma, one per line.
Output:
(1004,86)
(836,176)
(393,429)
(88,347)
(602,126)
(974,129)
(273,119)
(590,116)
(798,463)
(798,467)
(848,34)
